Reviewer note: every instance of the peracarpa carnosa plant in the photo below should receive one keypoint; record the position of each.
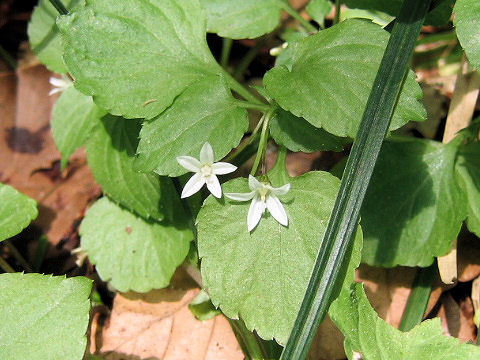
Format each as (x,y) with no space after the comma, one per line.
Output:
(166,127)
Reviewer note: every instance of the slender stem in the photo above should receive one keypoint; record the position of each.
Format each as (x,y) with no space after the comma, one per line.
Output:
(16,254)
(338,238)
(5,267)
(262,146)
(186,206)
(248,58)
(226,47)
(248,341)
(418,298)
(293,13)
(249,105)
(57,4)
(40,253)
(240,90)
(338,10)
(8,59)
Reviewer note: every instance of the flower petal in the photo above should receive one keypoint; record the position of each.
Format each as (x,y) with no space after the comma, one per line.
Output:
(241,196)
(206,154)
(222,168)
(189,163)
(214,186)
(253,183)
(193,185)
(276,209)
(257,208)
(54,91)
(58,82)
(282,190)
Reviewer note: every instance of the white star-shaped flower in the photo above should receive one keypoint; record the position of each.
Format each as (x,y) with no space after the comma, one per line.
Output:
(263,196)
(59,85)
(206,172)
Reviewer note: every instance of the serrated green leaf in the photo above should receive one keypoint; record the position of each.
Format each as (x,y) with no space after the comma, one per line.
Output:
(43,317)
(16,211)
(261,276)
(242,19)
(374,339)
(331,77)
(44,37)
(318,9)
(468,176)
(136,57)
(206,112)
(438,17)
(413,208)
(128,251)
(74,117)
(296,134)
(467,24)
(111,154)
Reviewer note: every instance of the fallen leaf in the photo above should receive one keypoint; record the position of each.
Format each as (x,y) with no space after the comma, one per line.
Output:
(30,161)
(159,325)
(468,257)
(457,318)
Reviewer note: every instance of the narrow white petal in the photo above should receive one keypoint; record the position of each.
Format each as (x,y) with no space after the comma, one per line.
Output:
(57,82)
(54,91)
(222,168)
(193,185)
(282,190)
(189,163)
(276,209)
(214,186)
(253,183)
(241,196)
(206,154)
(257,207)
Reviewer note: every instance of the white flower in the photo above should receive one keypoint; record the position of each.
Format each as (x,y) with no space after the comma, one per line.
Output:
(263,196)
(206,171)
(60,85)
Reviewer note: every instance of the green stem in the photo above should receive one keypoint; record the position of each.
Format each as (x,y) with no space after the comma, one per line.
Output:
(57,4)
(5,267)
(248,58)
(249,105)
(240,90)
(293,13)
(226,47)
(40,253)
(248,341)
(16,254)
(338,10)
(7,58)
(418,298)
(186,206)
(328,271)
(262,146)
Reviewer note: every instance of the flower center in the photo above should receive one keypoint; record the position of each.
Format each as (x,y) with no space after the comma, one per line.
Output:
(206,170)
(263,191)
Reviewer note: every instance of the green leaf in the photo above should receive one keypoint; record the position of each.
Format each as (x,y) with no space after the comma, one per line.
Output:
(206,112)
(437,17)
(261,276)
(318,9)
(242,19)
(202,308)
(296,134)
(43,317)
(128,251)
(467,25)
(371,336)
(413,208)
(468,176)
(111,154)
(135,59)
(43,35)
(16,211)
(74,117)
(331,77)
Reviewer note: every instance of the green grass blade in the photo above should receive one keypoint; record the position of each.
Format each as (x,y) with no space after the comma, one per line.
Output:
(57,4)
(343,222)
(418,298)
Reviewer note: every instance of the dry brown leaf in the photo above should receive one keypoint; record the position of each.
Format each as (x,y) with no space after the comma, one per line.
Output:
(468,257)
(159,325)
(457,318)
(327,343)
(29,160)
